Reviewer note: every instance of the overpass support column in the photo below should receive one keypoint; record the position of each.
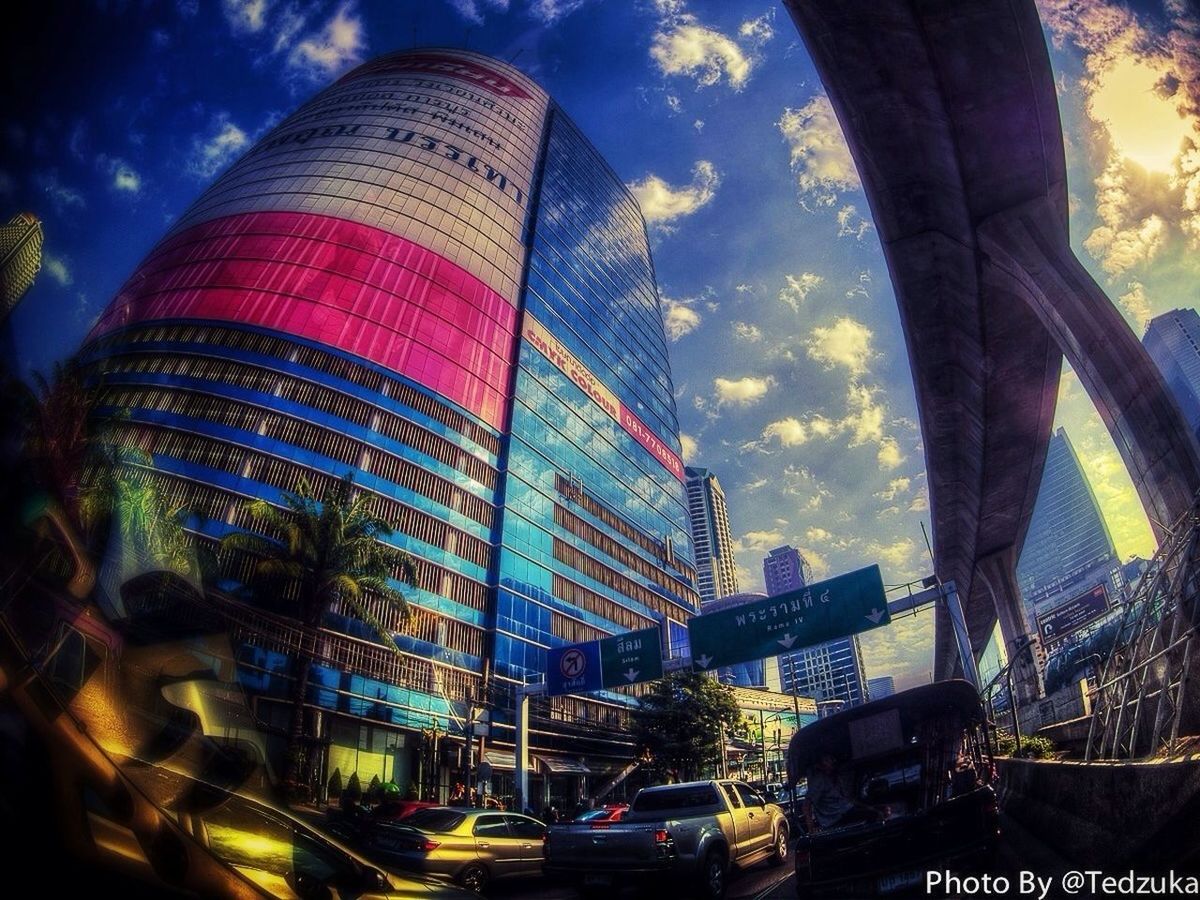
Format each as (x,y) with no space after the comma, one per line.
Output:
(1029,244)
(999,572)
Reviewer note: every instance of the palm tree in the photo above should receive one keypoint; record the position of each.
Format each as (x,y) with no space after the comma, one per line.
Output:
(323,551)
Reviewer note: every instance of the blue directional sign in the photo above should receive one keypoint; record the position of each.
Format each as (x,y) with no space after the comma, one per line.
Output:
(592,666)
(814,614)
(574,669)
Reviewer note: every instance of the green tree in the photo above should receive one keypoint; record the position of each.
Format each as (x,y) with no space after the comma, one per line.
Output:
(680,723)
(314,553)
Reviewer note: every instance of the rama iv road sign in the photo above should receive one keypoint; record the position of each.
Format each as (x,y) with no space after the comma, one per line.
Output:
(814,614)
(613,661)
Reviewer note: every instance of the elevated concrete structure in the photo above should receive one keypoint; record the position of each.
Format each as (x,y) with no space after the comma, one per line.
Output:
(950,112)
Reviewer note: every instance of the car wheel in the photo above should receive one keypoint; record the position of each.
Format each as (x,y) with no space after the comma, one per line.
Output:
(780,854)
(712,876)
(473,878)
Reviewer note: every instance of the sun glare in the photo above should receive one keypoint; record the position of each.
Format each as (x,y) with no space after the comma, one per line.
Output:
(1144,127)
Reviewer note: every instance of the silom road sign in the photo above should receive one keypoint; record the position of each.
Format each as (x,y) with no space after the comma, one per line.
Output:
(592,666)
(814,614)
(631,657)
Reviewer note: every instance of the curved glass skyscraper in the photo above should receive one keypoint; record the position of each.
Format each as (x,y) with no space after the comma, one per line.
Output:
(427,277)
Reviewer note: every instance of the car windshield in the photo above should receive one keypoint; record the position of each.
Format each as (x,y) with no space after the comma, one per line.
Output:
(683,797)
(435,819)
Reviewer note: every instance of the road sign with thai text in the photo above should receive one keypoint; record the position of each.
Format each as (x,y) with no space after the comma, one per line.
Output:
(835,608)
(610,662)
(632,657)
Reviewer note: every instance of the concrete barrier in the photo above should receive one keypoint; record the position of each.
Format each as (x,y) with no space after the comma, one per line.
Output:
(1107,815)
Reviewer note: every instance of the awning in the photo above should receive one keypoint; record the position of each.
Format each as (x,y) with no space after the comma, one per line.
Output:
(500,760)
(557,765)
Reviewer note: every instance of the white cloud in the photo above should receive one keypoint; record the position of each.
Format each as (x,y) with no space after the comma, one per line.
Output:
(798,287)
(1137,305)
(845,343)
(246,16)
(337,46)
(662,204)
(747,332)
(819,154)
(760,540)
(690,447)
(742,391)
(125,178)
(698,125)
(679,318)
(760,30)
(895,487)
(472,10)
(898,555)
(866,415)
(682,46)
(890,456)
(212,153)
(790,431)
(60,196)
(816,535)
(850,223)
(758,483)
(56,267)
(674,104)
(550,11)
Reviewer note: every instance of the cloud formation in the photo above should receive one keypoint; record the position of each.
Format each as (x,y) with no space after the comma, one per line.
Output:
(797,288)
(213,152)
(744,391)
(57,268)
(336,46)
(663,204)
(682,46)
(847,343)
(473,10)
(679,318)
(820,157)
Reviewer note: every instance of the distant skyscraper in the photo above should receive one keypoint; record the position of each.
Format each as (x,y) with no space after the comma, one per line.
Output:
(829,671)
(20,258)
(1173,342)
(716,571)
(785,569)
(1068,548)
(878,688)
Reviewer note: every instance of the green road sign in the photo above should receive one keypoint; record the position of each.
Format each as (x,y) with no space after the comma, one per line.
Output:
(631,657)
(814,614)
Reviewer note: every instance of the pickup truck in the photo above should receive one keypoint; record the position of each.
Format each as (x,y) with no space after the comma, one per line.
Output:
(688,835)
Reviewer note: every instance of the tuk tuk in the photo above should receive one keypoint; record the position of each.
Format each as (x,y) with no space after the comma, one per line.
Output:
(896,788)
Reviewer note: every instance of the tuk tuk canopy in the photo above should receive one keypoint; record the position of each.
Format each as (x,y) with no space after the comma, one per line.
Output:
(886,725)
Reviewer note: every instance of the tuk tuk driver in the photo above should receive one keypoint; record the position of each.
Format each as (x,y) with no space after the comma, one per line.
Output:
(827,804)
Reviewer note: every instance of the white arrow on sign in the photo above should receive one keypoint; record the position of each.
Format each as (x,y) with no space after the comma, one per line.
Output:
(703,661)
(875,615)
(632,674)
(787,640)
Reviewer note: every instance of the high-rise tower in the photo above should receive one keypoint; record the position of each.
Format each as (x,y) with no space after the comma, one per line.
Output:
(426,277)
(20,258)
(1173,342)
(1068,547)
(716,569)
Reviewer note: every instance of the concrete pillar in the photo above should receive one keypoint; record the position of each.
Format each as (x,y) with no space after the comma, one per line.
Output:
(999,572)
(1029,244)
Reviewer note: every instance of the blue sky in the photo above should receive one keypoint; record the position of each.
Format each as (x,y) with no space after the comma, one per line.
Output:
(790,369)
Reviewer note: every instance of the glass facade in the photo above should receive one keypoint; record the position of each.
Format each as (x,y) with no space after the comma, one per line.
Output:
(1173,342)
(1068,543)
(425,277)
